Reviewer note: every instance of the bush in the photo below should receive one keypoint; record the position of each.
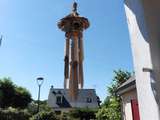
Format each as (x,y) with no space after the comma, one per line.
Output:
(82,113)
(14,114)
(45,116)
(111,108)
(64,116)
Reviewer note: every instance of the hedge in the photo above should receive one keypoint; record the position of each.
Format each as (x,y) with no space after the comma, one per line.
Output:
(14,114)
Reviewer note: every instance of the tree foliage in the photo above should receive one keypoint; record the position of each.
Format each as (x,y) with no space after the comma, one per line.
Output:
(22,97)
(121,76)
(7,92)
(111,108)
(12,95)
(32,107)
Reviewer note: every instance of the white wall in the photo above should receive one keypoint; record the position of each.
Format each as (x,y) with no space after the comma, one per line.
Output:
(81,100)
(126,101)
(143,56)
(152,16)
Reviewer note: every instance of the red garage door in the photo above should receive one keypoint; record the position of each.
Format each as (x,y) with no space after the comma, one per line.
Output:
(135,109)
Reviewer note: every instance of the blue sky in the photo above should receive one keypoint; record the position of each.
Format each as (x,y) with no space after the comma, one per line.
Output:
(33,46)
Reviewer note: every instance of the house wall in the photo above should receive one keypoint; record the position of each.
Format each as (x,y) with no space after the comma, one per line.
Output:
(81,102)
(143,22)
(126,102)
(152,17)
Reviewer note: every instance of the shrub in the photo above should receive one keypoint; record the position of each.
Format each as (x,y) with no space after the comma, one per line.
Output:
(82,113)
(45,116)
(14,114)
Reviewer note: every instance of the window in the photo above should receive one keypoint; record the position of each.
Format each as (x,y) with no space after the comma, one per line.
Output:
(89,100)
(59,92)
(59,100)
(58,112)
(54,92)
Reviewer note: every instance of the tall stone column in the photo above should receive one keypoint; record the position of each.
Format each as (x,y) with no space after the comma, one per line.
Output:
(144,27)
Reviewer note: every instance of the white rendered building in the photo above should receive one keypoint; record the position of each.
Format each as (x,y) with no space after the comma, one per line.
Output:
(143,17)
(129,103)
(60,100)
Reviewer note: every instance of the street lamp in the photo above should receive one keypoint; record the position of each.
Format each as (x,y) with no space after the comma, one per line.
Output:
(39,82)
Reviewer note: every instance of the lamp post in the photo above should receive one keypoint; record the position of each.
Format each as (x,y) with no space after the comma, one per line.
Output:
(39,82)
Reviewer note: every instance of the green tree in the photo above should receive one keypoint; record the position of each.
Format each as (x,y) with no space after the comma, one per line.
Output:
(12,95)
(111,108)
(21,98)
(120,76)
(32,107)
(7,92)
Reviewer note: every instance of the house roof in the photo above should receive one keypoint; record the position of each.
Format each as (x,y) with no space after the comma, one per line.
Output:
(83,94)
(127,86)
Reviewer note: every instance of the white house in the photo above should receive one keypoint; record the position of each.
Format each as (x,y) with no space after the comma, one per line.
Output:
(60,100)
(129,103)
(143,17)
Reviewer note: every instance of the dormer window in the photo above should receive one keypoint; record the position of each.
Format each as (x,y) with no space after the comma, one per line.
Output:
(59,100)
(59,92)
(89,100)
(54,92)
